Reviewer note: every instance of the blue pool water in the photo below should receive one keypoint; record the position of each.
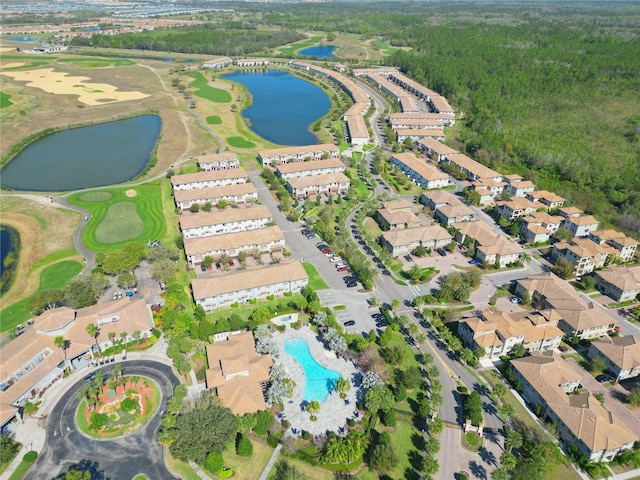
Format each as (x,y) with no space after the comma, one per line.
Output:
(319,51)
(319,381)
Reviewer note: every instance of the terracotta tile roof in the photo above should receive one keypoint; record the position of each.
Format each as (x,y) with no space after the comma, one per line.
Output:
(622,277)
(406,236)
(311,165)
(226,241)
(228,215)
(218,157)
(214,192)
(313,180)
(209,176)
(624,352)
(441,196)
(420,167)
(301,150)
(438,147)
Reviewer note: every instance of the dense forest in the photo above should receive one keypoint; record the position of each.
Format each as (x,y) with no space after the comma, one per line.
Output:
(207,39)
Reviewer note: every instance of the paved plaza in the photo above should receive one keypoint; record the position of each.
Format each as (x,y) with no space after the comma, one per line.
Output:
(334,411)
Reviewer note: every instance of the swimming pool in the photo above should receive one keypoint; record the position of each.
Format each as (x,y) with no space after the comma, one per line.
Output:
(319,380)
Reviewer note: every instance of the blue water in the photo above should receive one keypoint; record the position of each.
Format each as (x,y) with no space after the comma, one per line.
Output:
(319,381)
(24,39)
(93,156)
(284,106)
(320,51)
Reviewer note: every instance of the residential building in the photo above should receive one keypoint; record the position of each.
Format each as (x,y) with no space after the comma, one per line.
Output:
(435,150)
(217,62)
(519,188)
(581,420)
(539,227)
(276,156)
(440,104)
(435,199)
(219,161)
(236,373)
(501,252)
(212,178)
(252,62)
(31,362)
(416,134)
(569,212)
(619,282)
(314,167)
(621,354)
(580,226)
(498,332)
(488,189)
(476,233)
(412,86)
(514,208)
(357,130)
(242,193)
(578,317)
(261,240)
(625,246)
(548,199)
(403,241)
(417,123)
(332,185)
(473,169)
(244,285)
(419,172)
(229,220)
(447,118)
(583,254)
(450,214)
(397,214)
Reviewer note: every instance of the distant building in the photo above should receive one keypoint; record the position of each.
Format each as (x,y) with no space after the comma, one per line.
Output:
(217,62)
(621,355)
(419,172)
(313,167)
(276,156)
(219,161)
(229,220)
(333,184)
(208,179)
(242,193)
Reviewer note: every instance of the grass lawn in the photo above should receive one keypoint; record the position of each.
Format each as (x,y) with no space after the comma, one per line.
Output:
(307,471)
(4,100)
(54,276)
(357,156)
(248,468)
(21,470)
(181,468)
(120,223)
(214,120)
(240,142)
(316,282)
(246,310)
(148,207)
(295,47)
(98,62)
(402,440)
(384,47)
(204,90)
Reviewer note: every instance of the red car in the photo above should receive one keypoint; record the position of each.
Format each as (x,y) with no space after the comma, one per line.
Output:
(325,250)
(343,269)
(231,264)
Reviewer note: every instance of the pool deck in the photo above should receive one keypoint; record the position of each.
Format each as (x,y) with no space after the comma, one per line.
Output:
(334,411)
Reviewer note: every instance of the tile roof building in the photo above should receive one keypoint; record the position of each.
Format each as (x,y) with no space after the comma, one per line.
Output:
(583,254)
(403,241)
(212,178)
(625,246)
(219,161)
(619,282)
(229,220)
(236,373)
(621,354)
(397,214)
(276,156)
(419,171)
(314,167)
(332,184)
(241,193)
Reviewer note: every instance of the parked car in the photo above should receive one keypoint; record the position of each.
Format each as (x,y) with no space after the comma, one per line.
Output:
(231,264)
(474,262)
(325,250)
(203,268)
(407,258)
(349,323)
(218,266)
(442,252)
(340,265)
(335,259)
(31,321)
(342,269)
(351,284)
(515,300)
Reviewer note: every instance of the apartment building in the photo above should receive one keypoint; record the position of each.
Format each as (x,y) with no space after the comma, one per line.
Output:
(314,167)
(277,156)
(209,179)
(242,193)
(417,134)
(333,184)
(244,285)
(435,150)
(619,282)
(580,226)
(219,161)
(625,246)
(515,208)
(539,227)
(620,354)
(229,220)
(419,172)
(548,199)
(583,254)
(403,241)
(397,214)
(217,62)
(435,199)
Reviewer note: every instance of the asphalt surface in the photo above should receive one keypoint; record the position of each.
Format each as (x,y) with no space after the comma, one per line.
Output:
(116,459)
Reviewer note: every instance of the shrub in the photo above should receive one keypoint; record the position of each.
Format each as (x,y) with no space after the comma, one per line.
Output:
(214,462)
(157,333)
(285,423)
(225,473)
(244,447)
(306,435)
(389,418)
(264,419)
(128,404)
(351,422)
(272,442)
(270,297)
(30,457)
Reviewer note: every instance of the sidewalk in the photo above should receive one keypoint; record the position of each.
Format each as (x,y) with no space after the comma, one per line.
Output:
(32,431)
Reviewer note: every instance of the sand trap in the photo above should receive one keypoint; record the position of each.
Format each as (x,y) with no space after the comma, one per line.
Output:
(7,49)
(12,65)
(131,193)
(60,83)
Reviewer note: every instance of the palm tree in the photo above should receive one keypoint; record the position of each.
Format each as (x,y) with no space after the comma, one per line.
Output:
(62,343)
(342,387)
(136,335)
(313,407)
(112,336)
(123,337)
(94,331)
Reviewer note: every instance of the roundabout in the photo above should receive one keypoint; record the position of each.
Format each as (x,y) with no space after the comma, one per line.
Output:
(119,458)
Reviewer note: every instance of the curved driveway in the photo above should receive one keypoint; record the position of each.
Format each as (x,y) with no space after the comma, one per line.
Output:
(117,459)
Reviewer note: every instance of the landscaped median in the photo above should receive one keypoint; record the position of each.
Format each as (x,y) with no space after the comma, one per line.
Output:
(316,282)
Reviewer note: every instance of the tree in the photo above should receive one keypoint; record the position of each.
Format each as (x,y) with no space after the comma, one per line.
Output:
(202,426)
(436,426)
(136,335)
(85,290)
(633,397)
(244,447)
(207,207)
(194,208)
(563,234)
(429,465)
(76,475)
(163,270)
(9,448)
(285,471)
(370,380)
(93,331)
(432,445)
(123,337)
(378,398)
(473,408)
(313,407)
(207,261)
(395,304)
(112,337)
(499,474)
(597,365)
(518,351)
(563,268)
(383,458)
(214,462)
(343,386)
(420,251)
(164,251)
(500,389)
(62,343)
(46,300)
(126,280)
(508,460)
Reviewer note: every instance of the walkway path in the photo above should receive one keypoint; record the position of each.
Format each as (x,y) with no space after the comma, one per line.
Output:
(272,462)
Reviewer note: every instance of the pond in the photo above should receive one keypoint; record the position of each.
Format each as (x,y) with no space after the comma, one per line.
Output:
(319,51)
(284,106)
(84,157)
(9,247)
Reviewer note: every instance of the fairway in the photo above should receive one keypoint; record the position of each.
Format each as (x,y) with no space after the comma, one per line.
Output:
(145,207)
(4,100)
(214,120)
(121,223)
(54,276)
(95,196)
(204,90)
(240,142)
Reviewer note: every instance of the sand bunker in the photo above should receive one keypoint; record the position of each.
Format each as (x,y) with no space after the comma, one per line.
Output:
(4,49)
(60,83)
(12,64)
(131,193)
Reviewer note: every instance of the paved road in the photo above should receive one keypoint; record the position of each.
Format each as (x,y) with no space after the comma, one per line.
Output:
(122,458)
(479,465)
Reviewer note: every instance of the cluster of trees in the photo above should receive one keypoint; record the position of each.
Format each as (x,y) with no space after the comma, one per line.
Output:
(202,39)
(458,286)
(81,292)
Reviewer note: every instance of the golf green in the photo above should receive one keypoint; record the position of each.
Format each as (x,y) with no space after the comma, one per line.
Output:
(240,142)
(121,223)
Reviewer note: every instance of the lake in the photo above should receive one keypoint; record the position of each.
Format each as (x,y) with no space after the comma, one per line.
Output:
(9,246)
(319,51)
(284,106)
(84,157)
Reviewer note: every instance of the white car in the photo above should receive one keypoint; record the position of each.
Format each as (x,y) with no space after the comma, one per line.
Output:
(341,265)
(515,300)
(335,259)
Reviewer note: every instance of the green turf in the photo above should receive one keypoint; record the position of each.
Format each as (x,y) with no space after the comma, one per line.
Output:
(240,142)
(99,63)
(384,47)
(121,223)
(53,258)
(54,276)
(4,100)
(295,47)
(95,196)
(316,282)
(214,120)
(21,470)
(148,207)
(204,90)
